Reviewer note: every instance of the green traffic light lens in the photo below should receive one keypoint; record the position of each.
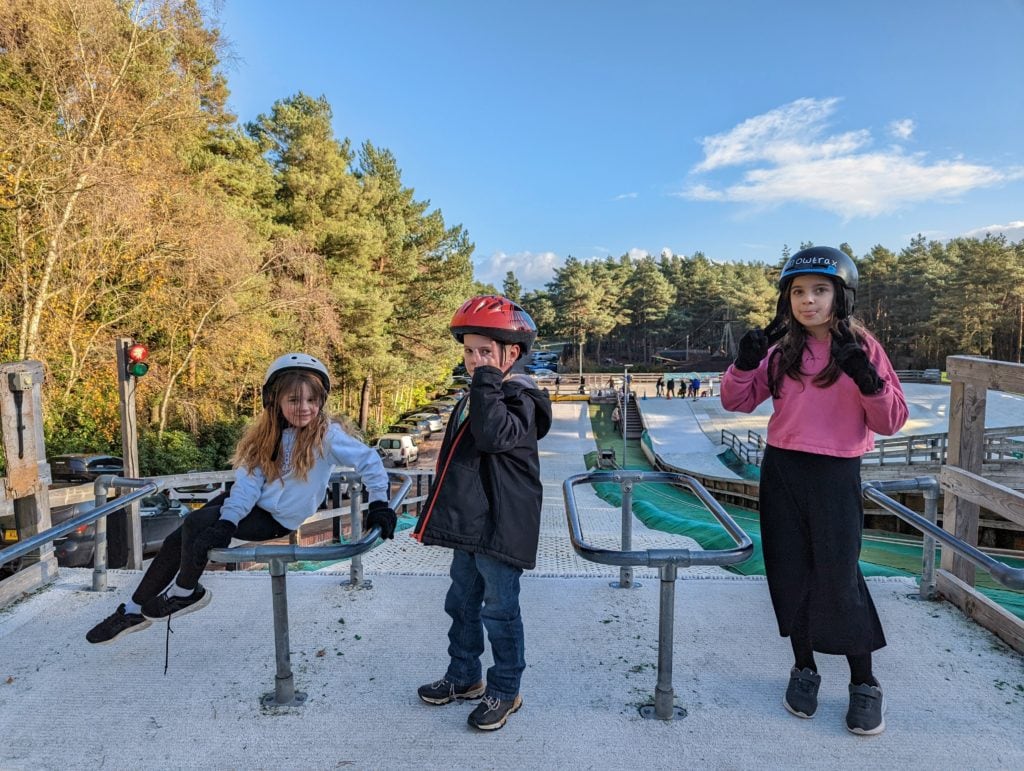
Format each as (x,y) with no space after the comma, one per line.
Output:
(138,369)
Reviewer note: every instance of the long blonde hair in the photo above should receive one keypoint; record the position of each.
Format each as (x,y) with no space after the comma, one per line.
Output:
(260,446)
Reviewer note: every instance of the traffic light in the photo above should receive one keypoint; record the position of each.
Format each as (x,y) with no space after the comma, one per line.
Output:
(135,360)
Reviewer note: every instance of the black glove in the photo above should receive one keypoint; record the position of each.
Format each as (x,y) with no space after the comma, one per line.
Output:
(216,536)
(853,360)
(379,514)
(753,347)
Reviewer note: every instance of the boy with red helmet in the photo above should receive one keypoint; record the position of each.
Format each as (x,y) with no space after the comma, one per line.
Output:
(485,504)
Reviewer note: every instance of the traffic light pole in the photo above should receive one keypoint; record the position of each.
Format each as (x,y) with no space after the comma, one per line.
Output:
(129,448)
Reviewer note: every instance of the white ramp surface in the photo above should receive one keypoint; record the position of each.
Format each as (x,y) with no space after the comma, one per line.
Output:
(955,693)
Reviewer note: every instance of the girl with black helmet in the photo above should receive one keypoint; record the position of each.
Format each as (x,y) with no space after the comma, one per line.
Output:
(485,504)
(832,387)
(283,465)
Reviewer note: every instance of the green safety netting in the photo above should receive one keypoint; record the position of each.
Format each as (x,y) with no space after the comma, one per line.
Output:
(669,509)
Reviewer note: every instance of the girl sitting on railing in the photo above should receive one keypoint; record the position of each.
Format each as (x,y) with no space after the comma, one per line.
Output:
(283,463)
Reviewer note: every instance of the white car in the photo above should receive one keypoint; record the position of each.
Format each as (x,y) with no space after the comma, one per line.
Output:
(399,449)
(436,422)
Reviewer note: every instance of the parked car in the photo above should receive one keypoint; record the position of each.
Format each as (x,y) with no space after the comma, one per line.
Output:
(439,408)
(462,380)
(433,421)
(194,496)
(160,516)
(540,371)
(399,449)
(83,467)
(419,428)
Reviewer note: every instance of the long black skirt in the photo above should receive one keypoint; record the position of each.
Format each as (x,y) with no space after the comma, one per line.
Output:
(812,518)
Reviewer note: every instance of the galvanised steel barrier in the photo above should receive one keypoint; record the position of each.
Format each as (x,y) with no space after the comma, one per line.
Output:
(668,562)
(1012,578)
(97,515)
(278,557)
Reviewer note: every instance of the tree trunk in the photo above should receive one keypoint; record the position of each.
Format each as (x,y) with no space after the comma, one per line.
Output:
(364,406)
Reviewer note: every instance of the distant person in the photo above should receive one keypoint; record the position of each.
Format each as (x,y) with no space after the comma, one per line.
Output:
(485,505)
(831,386)
(659,385)
(283,464)
(617,419)
(695,388)
(670,388)
(558,384)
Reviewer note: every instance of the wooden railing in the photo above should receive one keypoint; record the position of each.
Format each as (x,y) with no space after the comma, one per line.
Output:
(966,491)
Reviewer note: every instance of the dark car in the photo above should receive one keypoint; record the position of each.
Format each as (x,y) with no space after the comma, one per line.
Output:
(83,467)
(160,517)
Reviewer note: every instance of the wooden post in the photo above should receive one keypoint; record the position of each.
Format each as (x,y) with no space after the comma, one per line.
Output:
(129,523)
(967,396)
(26,487)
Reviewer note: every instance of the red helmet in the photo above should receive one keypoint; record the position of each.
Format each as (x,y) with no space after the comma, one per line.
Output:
(497,318)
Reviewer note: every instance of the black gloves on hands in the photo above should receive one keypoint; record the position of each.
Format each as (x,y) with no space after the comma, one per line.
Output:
(853,360)
(216,536)
(379,514)
(755,343)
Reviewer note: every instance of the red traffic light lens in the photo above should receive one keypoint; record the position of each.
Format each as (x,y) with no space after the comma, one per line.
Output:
(137,353)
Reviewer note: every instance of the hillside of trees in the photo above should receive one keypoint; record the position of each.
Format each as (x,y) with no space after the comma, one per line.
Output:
(132,203)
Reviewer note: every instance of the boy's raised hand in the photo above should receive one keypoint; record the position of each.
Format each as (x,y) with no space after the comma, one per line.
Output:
(853,360)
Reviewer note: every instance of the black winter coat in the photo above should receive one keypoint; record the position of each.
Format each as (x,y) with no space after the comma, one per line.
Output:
(487,494)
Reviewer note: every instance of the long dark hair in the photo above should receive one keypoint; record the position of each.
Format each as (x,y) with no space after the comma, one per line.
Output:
(788,355)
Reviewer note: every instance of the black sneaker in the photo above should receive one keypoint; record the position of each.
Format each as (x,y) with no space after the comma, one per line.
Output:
(163,605)
(491,714)
(444,691)
(117,625)
(866,715)
(802,693)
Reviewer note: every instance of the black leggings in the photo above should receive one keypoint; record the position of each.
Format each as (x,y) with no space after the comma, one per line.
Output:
(175,556)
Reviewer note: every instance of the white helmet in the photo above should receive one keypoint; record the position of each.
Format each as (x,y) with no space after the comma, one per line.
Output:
(291,362)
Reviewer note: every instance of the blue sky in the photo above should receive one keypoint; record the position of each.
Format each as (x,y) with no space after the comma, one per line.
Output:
(587,128)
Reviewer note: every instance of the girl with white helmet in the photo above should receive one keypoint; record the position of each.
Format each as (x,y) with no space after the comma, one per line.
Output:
(832,387)
(283,465)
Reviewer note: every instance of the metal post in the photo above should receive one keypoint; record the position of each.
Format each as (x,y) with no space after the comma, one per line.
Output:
(284,694)
(931,513)
(664,707)
(626,571)
(99,556)
(355,579)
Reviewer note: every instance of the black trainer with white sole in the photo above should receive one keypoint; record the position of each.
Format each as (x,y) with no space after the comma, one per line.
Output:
(802,693)
(164,605)
(117,625)
(444,691)
(866,714)
(491,714)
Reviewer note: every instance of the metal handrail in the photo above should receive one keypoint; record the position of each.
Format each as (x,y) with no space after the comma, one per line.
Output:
(655,558)
(86,518)
(278,557)
(1012,578)
(666,560)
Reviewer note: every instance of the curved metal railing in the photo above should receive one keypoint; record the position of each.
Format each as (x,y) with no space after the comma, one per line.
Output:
(668,561)
(278,557)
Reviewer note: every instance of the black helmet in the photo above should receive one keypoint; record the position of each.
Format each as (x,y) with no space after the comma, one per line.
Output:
(495,317)
(824,261)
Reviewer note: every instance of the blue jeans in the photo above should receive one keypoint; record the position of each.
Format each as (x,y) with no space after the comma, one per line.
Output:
(485,593)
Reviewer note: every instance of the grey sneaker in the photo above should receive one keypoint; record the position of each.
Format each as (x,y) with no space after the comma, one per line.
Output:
(491,714)
(443,691)
(802,692)
(866,715)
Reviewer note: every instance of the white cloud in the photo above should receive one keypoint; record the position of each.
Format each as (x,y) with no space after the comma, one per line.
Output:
(636,253)
(902,129)
(1014,231)
(796,160)
(532,269)
(624,196)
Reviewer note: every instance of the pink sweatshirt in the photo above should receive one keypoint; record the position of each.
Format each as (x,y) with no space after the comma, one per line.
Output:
(837,420)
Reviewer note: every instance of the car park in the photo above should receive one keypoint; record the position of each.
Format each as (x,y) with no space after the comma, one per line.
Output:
(159,514)
(398,448)
(83,467)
